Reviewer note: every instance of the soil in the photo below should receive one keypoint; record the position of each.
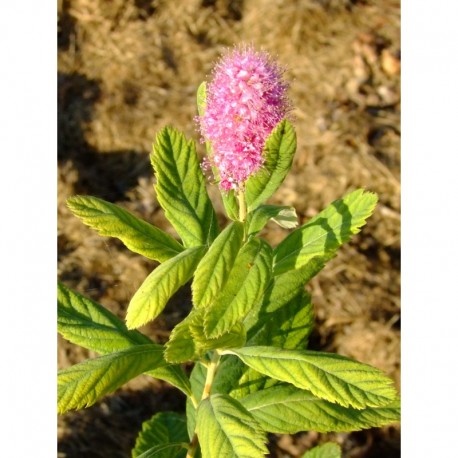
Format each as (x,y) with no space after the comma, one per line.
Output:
(127,68)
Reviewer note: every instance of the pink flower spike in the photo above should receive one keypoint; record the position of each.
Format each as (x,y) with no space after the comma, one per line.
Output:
(246,99)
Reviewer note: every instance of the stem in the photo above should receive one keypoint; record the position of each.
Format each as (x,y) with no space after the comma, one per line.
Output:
(194,401)
(211,370)
(242,206)
(193,447)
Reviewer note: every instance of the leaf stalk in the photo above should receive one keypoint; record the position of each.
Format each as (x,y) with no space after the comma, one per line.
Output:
(242,205)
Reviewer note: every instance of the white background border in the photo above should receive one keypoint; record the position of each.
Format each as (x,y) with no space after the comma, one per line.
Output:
(28,228)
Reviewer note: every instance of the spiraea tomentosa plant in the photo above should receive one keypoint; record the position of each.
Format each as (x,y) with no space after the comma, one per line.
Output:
(251,316)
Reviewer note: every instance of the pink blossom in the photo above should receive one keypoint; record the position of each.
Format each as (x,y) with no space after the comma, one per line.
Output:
(246,99)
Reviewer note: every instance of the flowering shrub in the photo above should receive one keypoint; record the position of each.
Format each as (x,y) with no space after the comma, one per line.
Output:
(248,329)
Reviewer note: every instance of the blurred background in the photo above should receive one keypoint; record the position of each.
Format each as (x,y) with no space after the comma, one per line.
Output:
(126,69)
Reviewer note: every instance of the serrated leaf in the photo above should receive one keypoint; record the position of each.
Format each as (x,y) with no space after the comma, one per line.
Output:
(249,382)
(328,450)
(235,337)
(181,188)
(83,384)
(164,428)
(326,232)
(226,429)
(213,270)
(188,342)
(247,281)
(153,295)
(279,152)
(285,287)
(285,409)
(328,376)
(282,215)
(229,371)
(284,323)
(284,319)
(282,289)
(84,322)
(181,346)
(113,221)
(174,375)
(287,327)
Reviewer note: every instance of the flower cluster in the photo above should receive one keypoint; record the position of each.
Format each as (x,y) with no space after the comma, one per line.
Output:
(246,99)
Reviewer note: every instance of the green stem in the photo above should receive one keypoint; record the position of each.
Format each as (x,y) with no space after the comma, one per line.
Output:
(211,371)
(193,447)
(194,401)
(242,206)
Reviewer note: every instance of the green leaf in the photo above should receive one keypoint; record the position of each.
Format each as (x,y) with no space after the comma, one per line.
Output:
(229,371)
(249,382)
(247,281)
(170,450)
(225,429)
(279,152)
(181,346)
(287,327)
(284,409)
(328,450)
(83,384)
(153,295)
(164,428)
(285,287)
(282,215)
(213,270)
(325,233)
(188,342)
(181,188)
(86,323)
(230,202)
(113,221)
(202,98)
(328,376)
(197,379)
(174,375)
(284,319)
(286,218)
(235,337)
